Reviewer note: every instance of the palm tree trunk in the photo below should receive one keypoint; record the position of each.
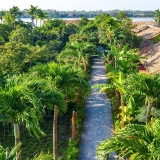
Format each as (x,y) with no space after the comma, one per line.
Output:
(40,22)
(74,125)
(115,63)
(79,97)
(14,24)
(85,67)
(148,117)
(17,139)
(55,133)
(118,99)
(32,31)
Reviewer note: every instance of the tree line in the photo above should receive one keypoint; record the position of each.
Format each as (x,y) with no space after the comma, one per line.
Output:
(90,14)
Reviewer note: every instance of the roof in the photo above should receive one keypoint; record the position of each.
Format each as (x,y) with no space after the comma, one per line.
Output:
(150,51)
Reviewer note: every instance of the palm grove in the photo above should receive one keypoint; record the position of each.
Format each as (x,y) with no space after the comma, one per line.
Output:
(46,67)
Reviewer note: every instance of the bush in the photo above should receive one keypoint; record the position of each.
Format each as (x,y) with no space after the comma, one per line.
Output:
(156,39)
(72,151)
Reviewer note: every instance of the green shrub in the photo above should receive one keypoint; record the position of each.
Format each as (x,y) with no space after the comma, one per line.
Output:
(156,39)
(72,151)
(44,156)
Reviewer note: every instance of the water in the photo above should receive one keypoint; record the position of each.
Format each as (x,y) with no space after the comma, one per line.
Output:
(143,19)
(135,19)
(138,19)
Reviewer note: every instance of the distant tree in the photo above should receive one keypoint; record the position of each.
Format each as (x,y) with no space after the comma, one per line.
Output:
(5,31)
(32,11)
(11,15)
(101,18)
(18,57)
(121,16)
(41,15)
(91,31)
(83,21)
(20,35)
(2,13)
(71,28)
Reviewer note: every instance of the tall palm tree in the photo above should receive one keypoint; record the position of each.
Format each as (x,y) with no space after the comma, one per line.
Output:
(50,98)
(41,15)
(62,78)
(135,141)
(19,104)
(14,12)
(32,11)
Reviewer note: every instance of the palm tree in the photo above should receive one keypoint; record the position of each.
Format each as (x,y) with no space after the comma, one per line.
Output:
(62,78)
(135,141)
(14,12)
(19,104)
(144,85)
(45,90)
(65,78)
(110,34)
(41,15)
(121,16)
(32,11)
(124,60)
(50,98)
(157,15)
(117,85)
(81,52)
(5,154)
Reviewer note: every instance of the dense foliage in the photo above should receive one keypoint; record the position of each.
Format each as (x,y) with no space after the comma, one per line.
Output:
(135,96)
(48,65)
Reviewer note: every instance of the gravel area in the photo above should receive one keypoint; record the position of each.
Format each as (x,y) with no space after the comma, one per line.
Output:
(98,123)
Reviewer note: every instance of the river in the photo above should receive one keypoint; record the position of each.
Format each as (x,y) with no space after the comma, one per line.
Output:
(138,19)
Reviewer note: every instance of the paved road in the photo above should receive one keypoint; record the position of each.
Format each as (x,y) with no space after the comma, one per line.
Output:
(98,124)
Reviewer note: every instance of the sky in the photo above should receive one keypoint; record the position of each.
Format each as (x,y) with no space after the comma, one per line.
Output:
(87,5)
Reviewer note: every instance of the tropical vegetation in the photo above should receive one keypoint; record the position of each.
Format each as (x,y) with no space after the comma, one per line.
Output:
(44,72)
(134,96)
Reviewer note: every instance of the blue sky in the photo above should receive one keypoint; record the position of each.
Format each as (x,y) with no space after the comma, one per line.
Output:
(84,4)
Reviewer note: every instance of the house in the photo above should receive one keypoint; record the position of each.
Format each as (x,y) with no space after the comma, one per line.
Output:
(148,49)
